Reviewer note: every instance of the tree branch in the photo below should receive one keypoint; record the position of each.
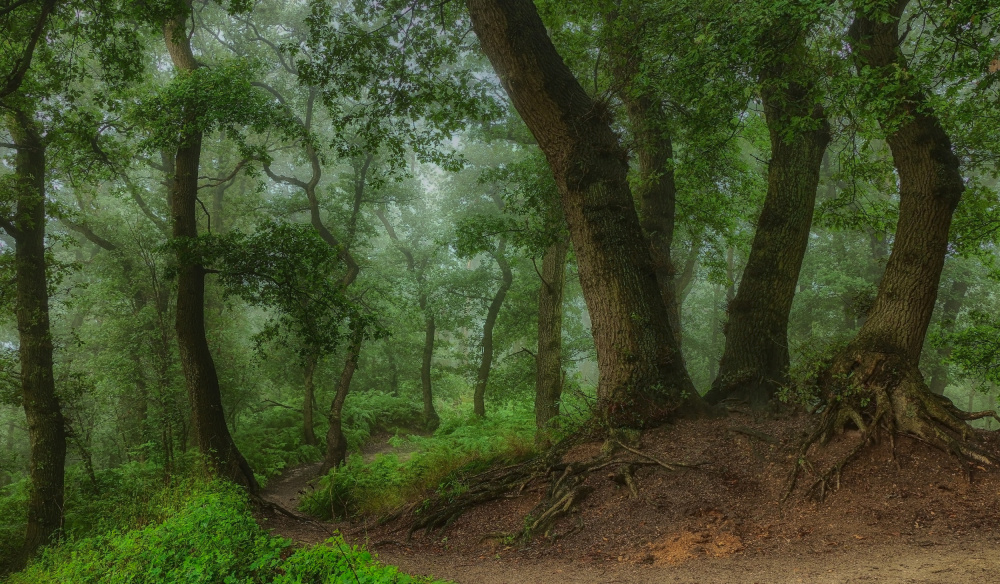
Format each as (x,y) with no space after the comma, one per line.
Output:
(89,234)
(16,76)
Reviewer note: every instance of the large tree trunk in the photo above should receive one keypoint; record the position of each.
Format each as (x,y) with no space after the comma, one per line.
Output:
(548,361)
(642,378)
(486,361)
(949,313)
(336,442)
(207,415)
(755,359)
(46,430)
(875,381)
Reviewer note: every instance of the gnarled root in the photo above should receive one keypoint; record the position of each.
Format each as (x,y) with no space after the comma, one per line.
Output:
(886,397)
(567,487)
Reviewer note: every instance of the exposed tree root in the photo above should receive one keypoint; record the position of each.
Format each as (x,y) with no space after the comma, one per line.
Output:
(887,398)
(566,489)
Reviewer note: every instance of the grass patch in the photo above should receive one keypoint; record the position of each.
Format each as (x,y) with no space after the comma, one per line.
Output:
(460,447)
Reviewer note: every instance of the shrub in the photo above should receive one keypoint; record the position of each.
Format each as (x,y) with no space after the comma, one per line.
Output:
(208,536)
(461,447)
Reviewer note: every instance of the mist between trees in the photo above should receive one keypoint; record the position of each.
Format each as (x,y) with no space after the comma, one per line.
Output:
(240,236)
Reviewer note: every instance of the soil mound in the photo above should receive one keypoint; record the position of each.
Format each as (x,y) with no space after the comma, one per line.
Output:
(897,495)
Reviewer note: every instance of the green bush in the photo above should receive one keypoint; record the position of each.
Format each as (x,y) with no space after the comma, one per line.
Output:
(208,536)
(274,441)
(461,446)
(366,413)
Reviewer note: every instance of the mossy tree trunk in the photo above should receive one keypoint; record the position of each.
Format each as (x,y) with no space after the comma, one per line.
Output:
(755,359)
(336,442)
(875,381)
(642,378)
(46,428)
(548,360)
(486,359)
(201,378)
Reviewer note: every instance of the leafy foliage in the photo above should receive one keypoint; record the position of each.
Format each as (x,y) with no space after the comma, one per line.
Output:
(460,447)
(207,535)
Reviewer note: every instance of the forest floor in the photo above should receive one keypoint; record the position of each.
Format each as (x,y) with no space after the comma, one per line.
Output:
(903,512)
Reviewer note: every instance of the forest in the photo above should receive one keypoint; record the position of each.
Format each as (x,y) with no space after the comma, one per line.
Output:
(309,291)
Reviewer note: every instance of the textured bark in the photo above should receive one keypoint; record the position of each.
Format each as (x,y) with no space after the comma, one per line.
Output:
(308,399)
(655,188)
(336,442)
(930,186)
(876,379)
(201,378)
(548,361)
(755,360)
(949,312)
(642,378)
(46,430)
(486,360)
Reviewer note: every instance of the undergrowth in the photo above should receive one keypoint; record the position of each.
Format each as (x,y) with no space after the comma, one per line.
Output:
(368,412)
(204,533)
(461,447)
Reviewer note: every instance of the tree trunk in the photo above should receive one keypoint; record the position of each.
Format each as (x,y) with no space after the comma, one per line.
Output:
(308,399)
(875,380)
(548,361)
(755,360)
(431,418)
(642,378)
(336,442)
(486,362)
(46,430)
(207,415)
(949,312)
(654,188)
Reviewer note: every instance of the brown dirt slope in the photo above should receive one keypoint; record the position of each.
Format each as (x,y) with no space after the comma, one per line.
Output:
(903,512)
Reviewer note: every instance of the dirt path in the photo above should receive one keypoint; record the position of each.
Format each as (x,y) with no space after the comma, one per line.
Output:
(285,491)
(948,564)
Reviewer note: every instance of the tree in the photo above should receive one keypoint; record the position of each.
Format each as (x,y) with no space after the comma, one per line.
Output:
(46,430)
(875,381)
(755,359)
(204,393)
(643,379)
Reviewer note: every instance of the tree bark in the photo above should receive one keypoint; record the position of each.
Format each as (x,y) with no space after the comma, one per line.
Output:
(336,442)
(548,361)
(642,378)
(308,399)
(655,188)
(876,379)
(755,359)
(486,361)
(207,415)
(46,429)
(930,188)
